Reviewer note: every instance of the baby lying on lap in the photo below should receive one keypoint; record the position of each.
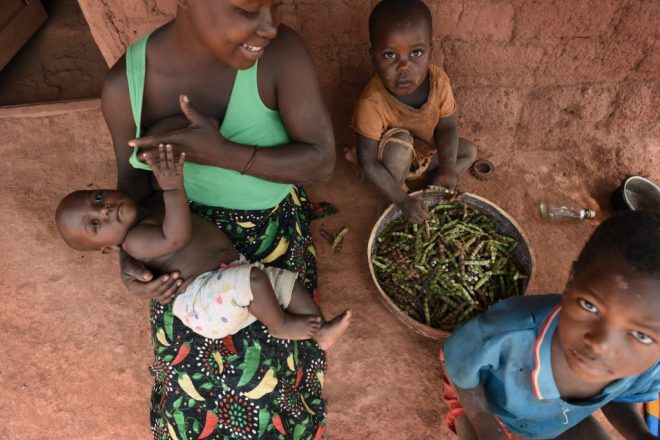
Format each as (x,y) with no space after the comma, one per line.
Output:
(223,293)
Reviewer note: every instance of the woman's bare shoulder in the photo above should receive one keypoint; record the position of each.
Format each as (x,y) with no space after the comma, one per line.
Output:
(114,95)
(288,46)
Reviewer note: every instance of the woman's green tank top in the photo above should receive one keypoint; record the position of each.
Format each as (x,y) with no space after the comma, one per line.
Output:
(247,121)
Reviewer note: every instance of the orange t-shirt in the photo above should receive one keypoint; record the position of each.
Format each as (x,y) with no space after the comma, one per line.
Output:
(377,110)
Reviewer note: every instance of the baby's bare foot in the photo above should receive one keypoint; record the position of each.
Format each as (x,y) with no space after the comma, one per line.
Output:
(297,327)
(332,330)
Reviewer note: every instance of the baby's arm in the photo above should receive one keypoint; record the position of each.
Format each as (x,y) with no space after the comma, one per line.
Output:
(482,424)
(627,419)
(446,141)
(413,209)
(146,240)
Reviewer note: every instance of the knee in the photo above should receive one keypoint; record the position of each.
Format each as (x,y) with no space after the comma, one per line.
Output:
(396,151)
(467,149)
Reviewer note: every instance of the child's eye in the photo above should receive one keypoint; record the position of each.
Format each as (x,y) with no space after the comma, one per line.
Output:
(389,55)
(416,53)
(586,305)
(98,199)
(642,337)
(95,225)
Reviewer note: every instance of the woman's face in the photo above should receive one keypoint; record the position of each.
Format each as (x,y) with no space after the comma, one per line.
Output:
(235,31)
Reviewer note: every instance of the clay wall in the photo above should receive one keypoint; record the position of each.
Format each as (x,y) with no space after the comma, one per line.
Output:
(528,75)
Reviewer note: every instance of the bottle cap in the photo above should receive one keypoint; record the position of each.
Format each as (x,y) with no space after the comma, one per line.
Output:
(589,213)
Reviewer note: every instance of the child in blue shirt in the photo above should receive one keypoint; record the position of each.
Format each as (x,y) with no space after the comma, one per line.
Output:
(539,366)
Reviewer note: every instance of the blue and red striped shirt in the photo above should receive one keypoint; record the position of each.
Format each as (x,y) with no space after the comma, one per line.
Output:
(507,350)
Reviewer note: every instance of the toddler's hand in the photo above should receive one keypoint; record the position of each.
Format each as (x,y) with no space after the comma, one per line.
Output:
(448,179)
(413,210)
(168,172)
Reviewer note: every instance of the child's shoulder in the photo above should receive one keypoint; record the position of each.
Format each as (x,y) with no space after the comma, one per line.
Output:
(438,72)
(518,313)
(286,51)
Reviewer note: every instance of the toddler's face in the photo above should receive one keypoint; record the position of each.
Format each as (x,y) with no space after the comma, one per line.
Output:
(97,218)
(401,54)
(608,326)
(236,31)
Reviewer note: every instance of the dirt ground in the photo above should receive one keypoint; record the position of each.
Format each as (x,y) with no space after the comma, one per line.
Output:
(59,62)
(76,345)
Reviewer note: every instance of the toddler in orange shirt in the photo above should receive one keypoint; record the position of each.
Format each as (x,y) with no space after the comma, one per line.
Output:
(405,117)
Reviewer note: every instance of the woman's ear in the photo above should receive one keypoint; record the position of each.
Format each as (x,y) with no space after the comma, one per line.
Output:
(109,249)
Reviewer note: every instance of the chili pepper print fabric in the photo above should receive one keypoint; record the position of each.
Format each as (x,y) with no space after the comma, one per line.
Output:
(277,237)
(248,385)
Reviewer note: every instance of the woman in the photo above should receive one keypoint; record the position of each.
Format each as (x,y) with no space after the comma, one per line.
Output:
(228,64)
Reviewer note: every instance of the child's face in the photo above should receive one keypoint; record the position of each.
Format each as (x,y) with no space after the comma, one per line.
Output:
(236,31)
(401,54)
(608,326)
(97,218)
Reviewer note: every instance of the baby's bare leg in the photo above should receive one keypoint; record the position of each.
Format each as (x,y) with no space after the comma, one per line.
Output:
(330,331)
(280,324)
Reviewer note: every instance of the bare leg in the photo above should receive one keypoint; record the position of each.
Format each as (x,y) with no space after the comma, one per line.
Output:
(397,158)
(589,428)
(302,304)
(467,153)
(464,428)
(267,309)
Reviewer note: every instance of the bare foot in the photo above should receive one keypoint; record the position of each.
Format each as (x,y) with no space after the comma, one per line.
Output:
(332,330)
(297,327)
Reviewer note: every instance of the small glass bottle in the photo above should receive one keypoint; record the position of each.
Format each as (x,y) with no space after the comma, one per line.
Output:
(564,211)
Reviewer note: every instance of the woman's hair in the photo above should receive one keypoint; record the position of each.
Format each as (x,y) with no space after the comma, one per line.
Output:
(399,10)
(630,237)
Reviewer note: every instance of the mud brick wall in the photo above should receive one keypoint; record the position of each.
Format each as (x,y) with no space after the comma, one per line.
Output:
(527,75)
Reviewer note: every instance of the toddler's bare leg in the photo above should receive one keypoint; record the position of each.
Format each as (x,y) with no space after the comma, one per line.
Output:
(588,428)
(464,428)
(467,153)
(397,158)
(330,331)
(280,324)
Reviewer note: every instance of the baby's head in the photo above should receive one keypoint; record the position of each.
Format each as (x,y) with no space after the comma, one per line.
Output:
(609,326)
(95,219)
(400,35)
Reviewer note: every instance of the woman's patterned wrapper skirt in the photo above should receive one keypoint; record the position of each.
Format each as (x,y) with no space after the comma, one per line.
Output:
(248,385)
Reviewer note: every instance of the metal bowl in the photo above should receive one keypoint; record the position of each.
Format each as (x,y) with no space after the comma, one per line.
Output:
(503,222)
(636,193)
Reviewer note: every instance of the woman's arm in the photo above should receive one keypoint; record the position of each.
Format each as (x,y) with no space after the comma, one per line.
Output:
(118,115)
(117,112)
(288,72)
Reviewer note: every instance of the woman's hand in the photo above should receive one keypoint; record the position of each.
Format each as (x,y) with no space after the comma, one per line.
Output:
(201,137)
(139,281)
